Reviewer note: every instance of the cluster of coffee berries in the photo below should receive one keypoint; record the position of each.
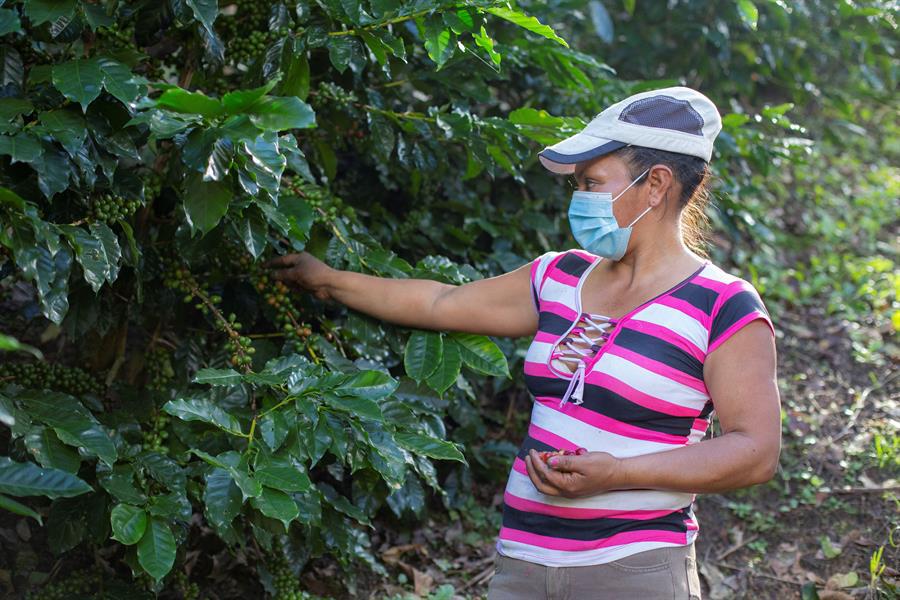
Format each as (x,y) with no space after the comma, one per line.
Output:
(238,345)
(245,49)
(277,295)
(51,376)
(189,591)
(545,456)
(326,206)
(158,366)
(116,37)
(287,587)
(155,437)
(237,18)
(111,208)
(77,584)
(152,185)
(335,95)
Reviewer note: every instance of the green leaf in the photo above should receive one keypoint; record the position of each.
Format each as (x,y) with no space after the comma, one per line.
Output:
(217,377)
(205,11)
(11,344)
(129,523)
(437,40)
(28,479)
(486,43)
(19,509)
(203,409)
(282,473)
(480,354)
(340,51)
(120,81)
(253,229)
(21,148)
(79,80)
(221,498)
(41,11)
(46,448)
(296,79)
(118,480)
(629,6)
(277,505)
(279,113)
(526,22)
(237,467)
(67,126)
(240,101)
(447,371)
(97,251)
(429,446)
(423,354)
(368,384)
(156,549)
(183,101)
(361,407)
(73,423)
(50,273)
(205,203)
(9,21)
(749,13)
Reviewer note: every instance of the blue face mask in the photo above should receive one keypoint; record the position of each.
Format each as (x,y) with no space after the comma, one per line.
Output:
(595,227)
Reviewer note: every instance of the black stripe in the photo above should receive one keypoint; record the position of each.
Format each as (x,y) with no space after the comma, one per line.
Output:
(697,296)
(659,350)
(550,322)
(534,294)
(546,386)
(735,308)
(589,529)
(531,443)
(572,264)
(610,404)
(707,410)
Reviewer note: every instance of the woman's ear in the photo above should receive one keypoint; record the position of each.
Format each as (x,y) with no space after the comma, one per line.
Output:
(660,182)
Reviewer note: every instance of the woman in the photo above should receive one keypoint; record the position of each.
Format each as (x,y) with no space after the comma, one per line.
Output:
(636,341)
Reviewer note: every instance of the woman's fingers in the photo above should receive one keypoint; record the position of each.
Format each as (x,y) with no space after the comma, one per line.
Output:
(538,473)
(287,260)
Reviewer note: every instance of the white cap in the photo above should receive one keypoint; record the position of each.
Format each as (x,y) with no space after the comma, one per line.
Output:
(677,119)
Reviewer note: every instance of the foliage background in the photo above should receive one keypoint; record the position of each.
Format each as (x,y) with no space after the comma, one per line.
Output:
(170,413)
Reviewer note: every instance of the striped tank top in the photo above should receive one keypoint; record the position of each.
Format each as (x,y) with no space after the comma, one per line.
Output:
(639,391)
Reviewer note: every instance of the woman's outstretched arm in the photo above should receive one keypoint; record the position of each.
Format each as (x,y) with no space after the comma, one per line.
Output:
(498,306)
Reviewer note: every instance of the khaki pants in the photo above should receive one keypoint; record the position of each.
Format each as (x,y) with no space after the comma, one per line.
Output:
(664,573)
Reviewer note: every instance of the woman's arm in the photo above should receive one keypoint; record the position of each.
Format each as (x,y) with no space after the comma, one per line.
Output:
(499,306)
(740,377)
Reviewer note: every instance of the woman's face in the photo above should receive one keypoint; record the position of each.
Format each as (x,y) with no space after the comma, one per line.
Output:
(609,174)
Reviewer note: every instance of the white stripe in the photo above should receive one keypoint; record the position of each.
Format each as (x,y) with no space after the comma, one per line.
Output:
(538,352)
(676,321)
(543,260)
(716,273)
(582,558)
(590,437)
(624,500)
(555,291)
(652,384)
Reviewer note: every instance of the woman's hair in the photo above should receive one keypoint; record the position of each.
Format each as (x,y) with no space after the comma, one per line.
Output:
(693,173)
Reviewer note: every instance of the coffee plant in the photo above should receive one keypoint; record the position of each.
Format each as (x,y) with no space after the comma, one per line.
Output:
(156,154)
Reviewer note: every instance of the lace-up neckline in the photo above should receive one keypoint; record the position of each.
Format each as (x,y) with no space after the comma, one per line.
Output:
(581,344)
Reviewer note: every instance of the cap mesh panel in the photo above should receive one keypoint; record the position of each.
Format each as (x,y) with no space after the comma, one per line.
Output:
(664,112)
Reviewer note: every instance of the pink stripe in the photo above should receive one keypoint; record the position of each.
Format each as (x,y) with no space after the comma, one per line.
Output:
(551,266)
(740,323)
(626,537)
(659,368)
(700,425)
(712,284)
(666,334)
(536,369)
(559,309)
(551,439)
(545,337)
(568,512)
(609,425)
(602,379)
(562,277)
(685,307)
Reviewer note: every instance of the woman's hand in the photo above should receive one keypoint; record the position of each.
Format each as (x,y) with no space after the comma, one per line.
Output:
(304,271)
(574,476)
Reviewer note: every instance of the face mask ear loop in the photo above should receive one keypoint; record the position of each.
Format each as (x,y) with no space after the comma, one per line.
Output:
(631,184)
(639,217)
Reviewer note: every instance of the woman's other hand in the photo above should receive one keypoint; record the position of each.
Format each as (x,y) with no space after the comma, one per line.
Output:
(574,476)
(304,271)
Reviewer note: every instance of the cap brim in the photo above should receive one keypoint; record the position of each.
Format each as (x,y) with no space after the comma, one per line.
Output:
(562,157)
